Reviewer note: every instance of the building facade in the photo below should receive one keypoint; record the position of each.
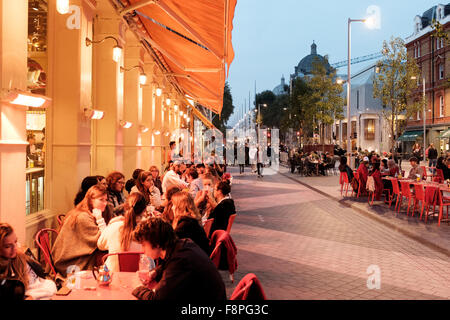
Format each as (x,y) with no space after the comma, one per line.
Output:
(87,91)
(432,55)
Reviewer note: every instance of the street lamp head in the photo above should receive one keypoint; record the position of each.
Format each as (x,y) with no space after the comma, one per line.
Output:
(370,22)
(340,81)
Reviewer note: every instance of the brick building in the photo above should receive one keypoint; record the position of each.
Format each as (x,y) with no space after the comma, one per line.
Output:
(433,58)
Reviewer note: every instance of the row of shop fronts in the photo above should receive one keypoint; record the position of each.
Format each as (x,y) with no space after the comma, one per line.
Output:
(110,99)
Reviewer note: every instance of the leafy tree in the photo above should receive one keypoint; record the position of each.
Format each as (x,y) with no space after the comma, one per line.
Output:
(219,121)
(394,84)
(326,96)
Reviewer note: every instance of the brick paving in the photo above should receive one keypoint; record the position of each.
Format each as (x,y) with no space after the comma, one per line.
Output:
(303,245)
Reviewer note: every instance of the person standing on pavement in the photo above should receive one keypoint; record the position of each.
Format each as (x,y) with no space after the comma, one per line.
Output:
(417,152)
(432,157)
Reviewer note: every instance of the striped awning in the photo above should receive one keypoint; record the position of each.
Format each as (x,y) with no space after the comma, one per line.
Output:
(445,134)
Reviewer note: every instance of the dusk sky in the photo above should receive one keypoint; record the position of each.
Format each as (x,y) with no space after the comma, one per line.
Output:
(271,37)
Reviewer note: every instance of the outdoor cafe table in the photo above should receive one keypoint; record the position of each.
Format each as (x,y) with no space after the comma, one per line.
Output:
(442,187)
(121,287)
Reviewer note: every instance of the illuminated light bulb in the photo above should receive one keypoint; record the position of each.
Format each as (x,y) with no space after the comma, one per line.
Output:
(29,101)
(62,6)
(126,124)
(97,115)
(181,113)
(117,53)
(175,107)
(185,116)
(157,132)
(143,79)
(158,92)
(168,101)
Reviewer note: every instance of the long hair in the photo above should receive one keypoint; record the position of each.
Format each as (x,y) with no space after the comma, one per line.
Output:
(16,267)
(140,184)
(134,207)
(85,205)
(185,206)
(168,214)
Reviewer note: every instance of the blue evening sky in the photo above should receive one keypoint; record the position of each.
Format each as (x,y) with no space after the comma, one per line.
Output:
(271,37)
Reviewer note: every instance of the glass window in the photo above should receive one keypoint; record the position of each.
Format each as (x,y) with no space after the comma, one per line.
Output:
(36,117)
(441,106)
(441,71)
(369,129)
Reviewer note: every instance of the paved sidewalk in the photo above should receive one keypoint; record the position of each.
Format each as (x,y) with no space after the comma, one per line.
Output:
(302,244)
(430,233)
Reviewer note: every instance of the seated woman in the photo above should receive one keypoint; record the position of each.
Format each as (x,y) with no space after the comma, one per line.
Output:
(88,182)
(76,243)
(201,199)
(156,178)
(222,207)
(195,183)
(168,214)
(116,183)
(187,220)
(117,237)
(145,186)
(14,264)
(376,174)
(343,167)
(394,170)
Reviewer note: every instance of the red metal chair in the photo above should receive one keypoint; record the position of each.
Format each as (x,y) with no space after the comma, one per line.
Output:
(439,176)
(343,181)
(128,261)
(207,226)
(424,169)
(406,192)
(43,242)
(443,202)
(361,186)
(224,252)
(395,191)
(249,288)
(230,222)
(60,219)
(430,200)
(419,196)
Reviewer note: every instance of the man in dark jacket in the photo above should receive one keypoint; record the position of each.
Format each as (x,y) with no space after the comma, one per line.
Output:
(432,157)
(186,272)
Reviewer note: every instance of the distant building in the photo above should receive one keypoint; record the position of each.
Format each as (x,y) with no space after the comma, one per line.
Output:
(432,56)
(282,88)
(305,66)
(369,129)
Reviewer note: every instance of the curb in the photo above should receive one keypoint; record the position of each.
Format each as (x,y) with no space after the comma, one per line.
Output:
(375,217)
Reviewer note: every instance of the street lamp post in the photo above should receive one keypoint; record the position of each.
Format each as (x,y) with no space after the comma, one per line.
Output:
(259,115)
(424,115)
(370,23)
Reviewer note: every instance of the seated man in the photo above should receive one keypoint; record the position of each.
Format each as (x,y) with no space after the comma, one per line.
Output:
(416,170)
(186,273)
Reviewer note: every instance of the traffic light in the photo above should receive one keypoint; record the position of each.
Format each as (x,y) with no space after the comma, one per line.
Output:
(268,134)
(298,133)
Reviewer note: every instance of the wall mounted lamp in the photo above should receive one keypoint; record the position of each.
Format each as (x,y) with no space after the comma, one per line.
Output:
(23,98)
(62,6)
(143,128)
(117,50)
(93,114)
(142,76)
(125,124)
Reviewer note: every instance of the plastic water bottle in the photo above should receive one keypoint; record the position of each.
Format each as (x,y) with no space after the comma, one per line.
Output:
(146,263)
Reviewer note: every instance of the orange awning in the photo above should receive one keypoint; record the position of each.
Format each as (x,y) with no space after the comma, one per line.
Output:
(194,37)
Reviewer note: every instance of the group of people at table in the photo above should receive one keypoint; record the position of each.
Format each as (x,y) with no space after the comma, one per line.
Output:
(377,169)
(161,216)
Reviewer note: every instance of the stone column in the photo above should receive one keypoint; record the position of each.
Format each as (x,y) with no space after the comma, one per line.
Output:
(13,75)
(69,87)
(107,137)
(148,111)
(132,106)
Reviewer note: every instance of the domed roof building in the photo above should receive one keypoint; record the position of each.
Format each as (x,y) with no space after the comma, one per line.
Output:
(305,65)
(282,88)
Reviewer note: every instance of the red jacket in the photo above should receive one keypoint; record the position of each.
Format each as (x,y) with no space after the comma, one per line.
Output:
(363,173)
(221,240)
(249,288)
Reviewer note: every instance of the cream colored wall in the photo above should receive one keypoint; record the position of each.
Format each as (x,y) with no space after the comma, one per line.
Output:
(13,75)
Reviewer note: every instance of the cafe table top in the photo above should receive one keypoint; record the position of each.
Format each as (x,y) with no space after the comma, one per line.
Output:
(441,186)
(121,288)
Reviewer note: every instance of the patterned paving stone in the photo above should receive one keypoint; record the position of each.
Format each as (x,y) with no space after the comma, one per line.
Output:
(303,245)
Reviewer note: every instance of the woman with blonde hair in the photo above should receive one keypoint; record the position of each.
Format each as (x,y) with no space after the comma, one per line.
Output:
(16,265)
(76,243)
(146,187)
(187,220)
(156,178)
(117,237)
